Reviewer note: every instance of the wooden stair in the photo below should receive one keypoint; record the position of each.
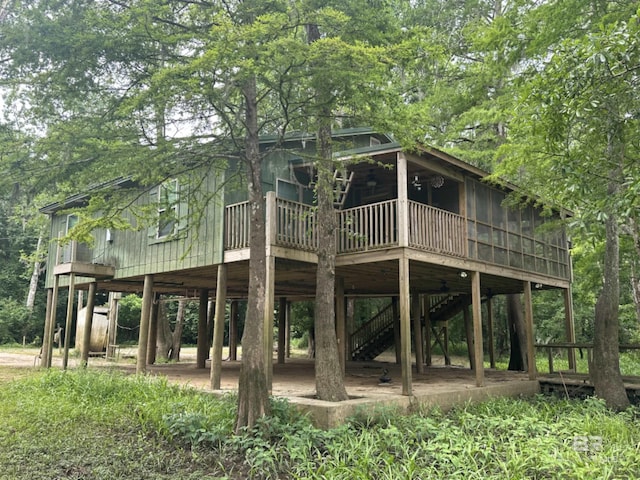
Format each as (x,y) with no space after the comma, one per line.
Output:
(376,335)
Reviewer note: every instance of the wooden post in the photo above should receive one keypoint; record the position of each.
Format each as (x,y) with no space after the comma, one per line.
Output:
(145,316)
(350,325)
(341,324)
(288,330)
(152,341)
(445,341)
(46,337)
(492,354)
(417,331)
(396,329)
(476,302)
(47,356)
(269,300)
(427,329)
(268,320)
(528,319)
(468,328)
(112,331)
(570,329)
(405,325)
(80,303)
(233,331)
(203,340)
(403,202)
(69,320)
(218,327)
(88,322)
(282,329)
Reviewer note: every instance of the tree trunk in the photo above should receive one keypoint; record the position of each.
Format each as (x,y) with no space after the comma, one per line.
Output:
(253,396)
(35,275)
(605,366)
(329,379)
(517,334)
(164,338)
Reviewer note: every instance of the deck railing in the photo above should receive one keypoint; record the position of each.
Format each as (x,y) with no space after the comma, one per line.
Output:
(363,228)
(75,251)
(295,225)
(236,226)
(368,227)
(436,230)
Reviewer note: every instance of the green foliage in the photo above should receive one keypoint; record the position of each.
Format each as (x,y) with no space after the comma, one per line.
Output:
(106,425)
(16,322)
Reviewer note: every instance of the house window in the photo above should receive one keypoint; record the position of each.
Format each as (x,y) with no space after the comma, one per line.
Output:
(72,221)
(167,209)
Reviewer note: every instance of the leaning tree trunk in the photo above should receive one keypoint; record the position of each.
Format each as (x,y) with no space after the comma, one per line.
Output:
(164,338)
(253,396)
(176,344)
(35,275)
(517,334)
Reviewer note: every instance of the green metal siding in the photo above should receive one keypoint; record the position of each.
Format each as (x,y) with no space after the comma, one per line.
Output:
(134,252)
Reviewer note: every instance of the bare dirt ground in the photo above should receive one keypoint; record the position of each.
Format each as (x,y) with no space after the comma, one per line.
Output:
(294,378)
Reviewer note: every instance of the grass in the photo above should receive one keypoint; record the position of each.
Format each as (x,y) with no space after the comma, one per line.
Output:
(103,425)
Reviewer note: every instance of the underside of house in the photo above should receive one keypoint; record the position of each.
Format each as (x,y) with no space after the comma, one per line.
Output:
(421,228)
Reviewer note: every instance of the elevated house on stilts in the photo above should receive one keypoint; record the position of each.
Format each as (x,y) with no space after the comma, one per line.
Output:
(420,227)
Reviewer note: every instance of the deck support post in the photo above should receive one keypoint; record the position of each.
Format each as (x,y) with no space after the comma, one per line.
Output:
(403,201)
(341,325)
(88,322)
(570,328)
(417,331)
(152,341)
(145,317)
(67,329)
(491,340)
(396,329)
(203,340)
(282,330)
(218,327)
(528,319)
(233,331)
(350,309)
(268,319)
(468,329)
(47,336)
(427,329)
(405,325)
(112,331)
(476,302)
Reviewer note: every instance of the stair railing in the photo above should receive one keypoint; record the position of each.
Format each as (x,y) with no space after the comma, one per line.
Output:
(371,329)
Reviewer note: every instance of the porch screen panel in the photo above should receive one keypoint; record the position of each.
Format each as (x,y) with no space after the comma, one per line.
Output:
(517,237)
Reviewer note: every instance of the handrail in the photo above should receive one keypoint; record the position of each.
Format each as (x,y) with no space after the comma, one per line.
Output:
(296,225)
(363,228)
(368,227)
(236,226)
(378,324)
(437,230)
(573,345)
